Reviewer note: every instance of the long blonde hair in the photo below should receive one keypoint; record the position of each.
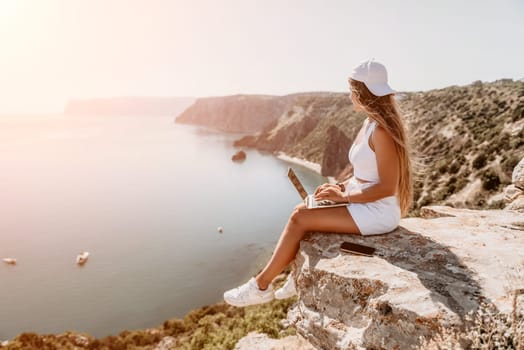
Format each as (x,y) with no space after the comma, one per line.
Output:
(385,111)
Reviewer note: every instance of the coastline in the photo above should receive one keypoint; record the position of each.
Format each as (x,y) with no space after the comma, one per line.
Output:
(304,163)
(299,161)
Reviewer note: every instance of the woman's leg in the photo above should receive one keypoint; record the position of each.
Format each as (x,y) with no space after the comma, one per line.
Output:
(302,220)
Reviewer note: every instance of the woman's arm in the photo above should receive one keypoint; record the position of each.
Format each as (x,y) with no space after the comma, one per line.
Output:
(388,165)
(388,171)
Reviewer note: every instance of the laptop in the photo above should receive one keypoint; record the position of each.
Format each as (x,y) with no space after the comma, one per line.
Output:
(309,199)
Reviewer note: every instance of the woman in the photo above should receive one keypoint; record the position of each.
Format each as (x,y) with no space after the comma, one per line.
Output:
(378,195)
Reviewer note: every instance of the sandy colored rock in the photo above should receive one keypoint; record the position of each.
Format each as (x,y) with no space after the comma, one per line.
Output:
(434,212)
(517,204)
(511,192)
(257,341)
(239,156)
(166,343)
(517,176)
(427,273)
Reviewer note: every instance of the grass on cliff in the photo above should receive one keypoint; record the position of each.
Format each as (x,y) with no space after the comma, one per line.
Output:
(214,327)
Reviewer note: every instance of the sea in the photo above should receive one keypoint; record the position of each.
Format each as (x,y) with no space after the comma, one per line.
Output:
(147,198)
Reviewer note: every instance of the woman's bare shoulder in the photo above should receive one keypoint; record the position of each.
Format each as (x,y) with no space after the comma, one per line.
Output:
(381,137)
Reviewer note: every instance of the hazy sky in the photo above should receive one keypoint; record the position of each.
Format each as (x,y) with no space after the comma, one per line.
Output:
(54,50)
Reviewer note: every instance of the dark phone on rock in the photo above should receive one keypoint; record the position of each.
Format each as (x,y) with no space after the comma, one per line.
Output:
(358,249)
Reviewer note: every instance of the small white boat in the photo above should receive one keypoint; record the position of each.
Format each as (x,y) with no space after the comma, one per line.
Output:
(82,258)
(10,261)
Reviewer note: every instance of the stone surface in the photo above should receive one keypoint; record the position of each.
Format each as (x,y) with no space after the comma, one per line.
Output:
(517,204)
(166,343)
(427,273)
(239,156)
(434,212)
(511,192)
(257,341)
(518,175)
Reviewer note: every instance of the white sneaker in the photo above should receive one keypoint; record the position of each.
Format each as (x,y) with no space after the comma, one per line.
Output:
(249,294)
(288,289)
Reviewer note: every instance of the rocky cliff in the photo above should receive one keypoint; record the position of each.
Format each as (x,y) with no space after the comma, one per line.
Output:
(318,128)
(237,113)
(469,138)
(429,274)
(241,113)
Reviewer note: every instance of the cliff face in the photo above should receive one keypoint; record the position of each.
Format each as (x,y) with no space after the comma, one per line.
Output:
(335,155)
(238,113)
(318,128)
(130,106)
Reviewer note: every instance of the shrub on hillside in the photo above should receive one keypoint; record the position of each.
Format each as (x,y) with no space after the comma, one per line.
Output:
(479,161)
(460,184)
(454,167)
(509,163)
(490,180)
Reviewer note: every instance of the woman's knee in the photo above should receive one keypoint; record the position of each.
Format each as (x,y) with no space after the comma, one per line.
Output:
(300,205)
(298,215)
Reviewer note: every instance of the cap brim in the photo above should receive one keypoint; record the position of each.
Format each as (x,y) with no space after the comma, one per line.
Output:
(380,89)
(376,89)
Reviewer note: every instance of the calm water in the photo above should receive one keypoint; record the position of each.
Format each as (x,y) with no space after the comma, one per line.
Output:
(145,197)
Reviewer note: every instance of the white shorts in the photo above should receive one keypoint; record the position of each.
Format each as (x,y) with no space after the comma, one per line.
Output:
(373,218)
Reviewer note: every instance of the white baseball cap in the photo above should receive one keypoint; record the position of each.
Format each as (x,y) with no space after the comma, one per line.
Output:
(374,75)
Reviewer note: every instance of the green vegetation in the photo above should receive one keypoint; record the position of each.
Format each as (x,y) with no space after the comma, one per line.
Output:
(509,162)
(479,161)
(213,327)
(490,180)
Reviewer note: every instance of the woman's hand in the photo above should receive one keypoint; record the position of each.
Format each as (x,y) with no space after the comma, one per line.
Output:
(322,187)
(332,193)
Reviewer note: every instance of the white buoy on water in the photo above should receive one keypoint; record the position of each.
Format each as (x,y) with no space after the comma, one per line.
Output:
(82,258)
(10,261)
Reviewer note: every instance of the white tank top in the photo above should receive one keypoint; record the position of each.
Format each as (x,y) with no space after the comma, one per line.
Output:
(362,157)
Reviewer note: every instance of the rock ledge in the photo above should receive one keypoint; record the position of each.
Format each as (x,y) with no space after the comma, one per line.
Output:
(426,274)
